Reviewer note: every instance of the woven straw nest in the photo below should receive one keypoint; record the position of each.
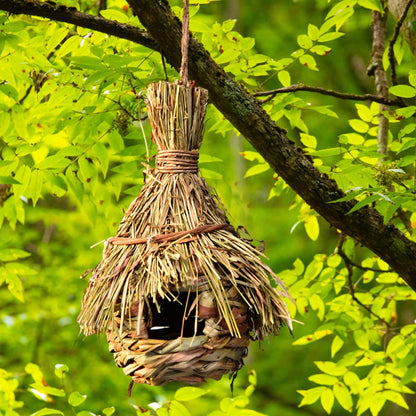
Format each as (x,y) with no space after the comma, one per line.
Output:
(177,291)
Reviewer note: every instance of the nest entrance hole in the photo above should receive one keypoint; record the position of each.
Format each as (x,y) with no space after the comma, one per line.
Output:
(175,318)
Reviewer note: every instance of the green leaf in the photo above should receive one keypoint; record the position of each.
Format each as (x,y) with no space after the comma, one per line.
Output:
(361,339)
(246,44)
(115,140)
(9,90)
(228,55)
(359,125)
(412,77)
(284,78)
(178,409)
(327,37)
(311,396)
(57,162)
(343,396)
(228,25)
(251,156)
(409,376)
(101,153)
(352,381)
(47,411)
(320,50)
(114,14)
(74,184)
(371,5)
(395,397)
(11,254)
(336,345)
(14,284)
(257,169)
(352,138)
(87,62)
(307,339)
(70,45)
(324,379)
(364,113)
(56,38)
(76,398)
(313,32)
(308,140)
(331,368)
(52,391)
(210,174)
(312,227)
(61,370)
(327,400)
(405,91)
(308,61)
(333,151)
(304,41)
(364,202)
(108,411)
(189,393)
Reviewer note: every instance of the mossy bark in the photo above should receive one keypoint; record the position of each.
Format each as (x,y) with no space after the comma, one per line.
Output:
(244,112)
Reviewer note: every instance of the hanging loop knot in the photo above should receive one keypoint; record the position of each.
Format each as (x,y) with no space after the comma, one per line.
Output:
(177,161)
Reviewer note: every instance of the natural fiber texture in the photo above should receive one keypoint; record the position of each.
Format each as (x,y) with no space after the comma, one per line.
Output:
(178,291)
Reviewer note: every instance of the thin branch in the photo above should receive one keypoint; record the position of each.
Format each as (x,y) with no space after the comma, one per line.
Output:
(350,267)
(393,40)
(323,91)
(378,23)
(65,14)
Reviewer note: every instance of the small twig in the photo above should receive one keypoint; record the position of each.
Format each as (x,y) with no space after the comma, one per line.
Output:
(393,40)
(352,287)
(164,67)
(185,43)
(323,91)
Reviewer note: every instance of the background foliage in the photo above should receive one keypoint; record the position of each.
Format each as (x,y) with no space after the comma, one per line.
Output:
(73,138)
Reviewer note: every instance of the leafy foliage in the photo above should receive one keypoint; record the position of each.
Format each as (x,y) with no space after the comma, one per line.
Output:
(73,137)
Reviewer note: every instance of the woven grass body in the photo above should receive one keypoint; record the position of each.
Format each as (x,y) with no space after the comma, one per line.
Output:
(178,292)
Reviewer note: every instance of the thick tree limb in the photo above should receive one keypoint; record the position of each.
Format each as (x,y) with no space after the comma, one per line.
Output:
(65,14)
(241,109)
(324,91)
(365,225)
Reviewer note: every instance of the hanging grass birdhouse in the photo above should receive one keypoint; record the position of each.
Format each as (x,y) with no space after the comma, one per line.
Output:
(178,292)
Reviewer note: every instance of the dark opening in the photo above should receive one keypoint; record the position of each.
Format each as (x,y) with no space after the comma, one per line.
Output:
(169,323)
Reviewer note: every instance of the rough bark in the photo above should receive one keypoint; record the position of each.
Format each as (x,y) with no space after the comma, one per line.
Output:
(397,8)
(61,13)
(380,77)
(241,109)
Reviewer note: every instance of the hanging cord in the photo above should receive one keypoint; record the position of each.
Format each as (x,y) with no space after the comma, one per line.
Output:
(185,43)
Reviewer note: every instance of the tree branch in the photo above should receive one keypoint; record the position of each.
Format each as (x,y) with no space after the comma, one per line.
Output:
(245,113)
(393,40)
(323,91)
(65,14)
(351,286)
(397,8)
(378,23)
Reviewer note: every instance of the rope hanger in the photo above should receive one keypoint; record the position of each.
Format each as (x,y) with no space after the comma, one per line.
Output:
(185,43)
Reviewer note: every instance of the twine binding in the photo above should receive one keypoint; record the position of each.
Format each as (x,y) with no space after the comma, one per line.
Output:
(177,161)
